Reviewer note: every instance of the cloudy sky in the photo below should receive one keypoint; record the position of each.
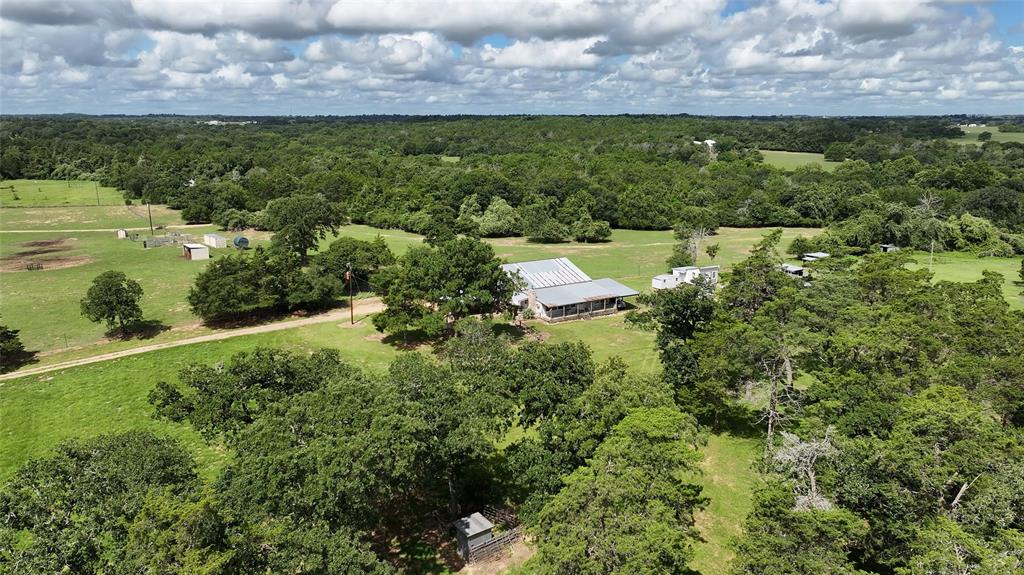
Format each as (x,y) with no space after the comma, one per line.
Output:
(511,56)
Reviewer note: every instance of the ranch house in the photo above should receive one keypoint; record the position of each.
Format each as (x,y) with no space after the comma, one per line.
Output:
(556,290)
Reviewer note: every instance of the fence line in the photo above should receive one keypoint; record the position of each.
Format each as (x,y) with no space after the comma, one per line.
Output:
(495,546)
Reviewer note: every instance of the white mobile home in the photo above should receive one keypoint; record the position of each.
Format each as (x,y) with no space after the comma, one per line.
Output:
(557,290)
(685,275)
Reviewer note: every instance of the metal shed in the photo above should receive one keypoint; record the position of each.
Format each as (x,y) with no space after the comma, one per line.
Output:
(472,532)
(122,234)
(887,248)
(195,251)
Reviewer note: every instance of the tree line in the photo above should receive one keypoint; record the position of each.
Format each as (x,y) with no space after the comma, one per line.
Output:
(546,178)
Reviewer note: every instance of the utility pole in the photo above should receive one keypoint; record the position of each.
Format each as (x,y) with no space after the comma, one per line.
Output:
(150,210)
(97,189)
(351,310)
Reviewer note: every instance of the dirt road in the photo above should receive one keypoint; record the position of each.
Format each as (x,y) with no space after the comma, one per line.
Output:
(363,307)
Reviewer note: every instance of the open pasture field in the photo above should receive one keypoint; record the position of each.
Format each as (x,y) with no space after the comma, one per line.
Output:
(971,135)
(28,193)
(44,303)
(86,218)
(631,257)
(959,267)
(794,160)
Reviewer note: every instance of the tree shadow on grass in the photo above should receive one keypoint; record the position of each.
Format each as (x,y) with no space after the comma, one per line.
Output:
(409,340)
(740,421)
(15,361)
(145,329)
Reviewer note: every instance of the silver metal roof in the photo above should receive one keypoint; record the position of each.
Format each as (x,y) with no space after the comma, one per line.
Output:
(604,288)
(473,525)
(548,273)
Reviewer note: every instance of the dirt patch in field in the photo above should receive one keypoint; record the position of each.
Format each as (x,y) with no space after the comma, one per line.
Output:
(38,255)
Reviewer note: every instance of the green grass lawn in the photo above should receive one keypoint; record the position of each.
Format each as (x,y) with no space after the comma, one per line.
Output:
(86,218)
(959,267)
(729,479)
(23,193)
(971,135)
(793,160)
(632,257)
(44,304)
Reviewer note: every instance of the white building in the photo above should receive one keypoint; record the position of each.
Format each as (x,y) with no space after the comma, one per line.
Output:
(195,251)
(215,240)
(557,290)
(685,275)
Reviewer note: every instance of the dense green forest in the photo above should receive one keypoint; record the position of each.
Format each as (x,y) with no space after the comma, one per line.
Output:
(552,178)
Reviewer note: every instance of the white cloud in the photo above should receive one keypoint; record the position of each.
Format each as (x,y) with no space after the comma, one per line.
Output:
(542,54)
(451,56)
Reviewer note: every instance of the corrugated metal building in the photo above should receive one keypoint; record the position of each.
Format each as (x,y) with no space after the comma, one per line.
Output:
(557,290)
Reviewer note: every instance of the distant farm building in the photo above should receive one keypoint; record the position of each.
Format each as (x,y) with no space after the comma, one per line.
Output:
(215,240)
(685,275)
(814,256)
(796,271)
(195,251)
(557,290)
(888,248)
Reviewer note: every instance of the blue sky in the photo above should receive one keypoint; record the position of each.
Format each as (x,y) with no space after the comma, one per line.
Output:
(539,56)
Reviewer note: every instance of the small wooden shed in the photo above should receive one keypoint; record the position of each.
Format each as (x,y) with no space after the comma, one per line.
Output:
(215,240)
(195,251)
(472,532)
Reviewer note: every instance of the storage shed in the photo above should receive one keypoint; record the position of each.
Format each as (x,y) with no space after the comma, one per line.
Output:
(888,248)
(195,251)
(814,256)
(472,532)
(122,234)
(215,240)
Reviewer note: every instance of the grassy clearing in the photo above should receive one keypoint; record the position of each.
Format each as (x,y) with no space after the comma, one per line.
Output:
(793,160)
(43,304)
(25,193)
(86,218)
(729,479)
(958,267)
(971,135)
(631,257)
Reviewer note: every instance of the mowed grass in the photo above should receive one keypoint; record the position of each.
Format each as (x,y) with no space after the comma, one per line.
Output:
(87,218)
(971,135)
(959,267)
(44,304)
(23,193)
(632,257)
(794,160)
(729,479)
